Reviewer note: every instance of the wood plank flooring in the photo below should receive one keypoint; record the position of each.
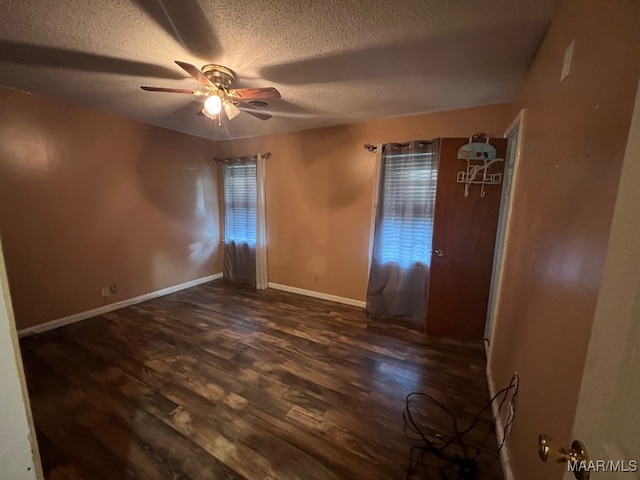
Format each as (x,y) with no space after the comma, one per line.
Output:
(222,382)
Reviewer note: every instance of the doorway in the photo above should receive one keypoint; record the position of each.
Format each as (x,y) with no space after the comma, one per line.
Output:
(514,137)
(19,457)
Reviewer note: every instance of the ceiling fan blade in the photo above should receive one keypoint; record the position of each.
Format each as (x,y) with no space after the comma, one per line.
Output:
(251,93)
(171,90)
(195,73)
(251,110)
(231,110)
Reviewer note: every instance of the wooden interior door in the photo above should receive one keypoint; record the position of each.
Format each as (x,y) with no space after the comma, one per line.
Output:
(464,231)
(19,457)
(607,416)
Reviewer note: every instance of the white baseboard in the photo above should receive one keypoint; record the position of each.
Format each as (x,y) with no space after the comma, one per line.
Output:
(76,317)
(504,452)
(320,295)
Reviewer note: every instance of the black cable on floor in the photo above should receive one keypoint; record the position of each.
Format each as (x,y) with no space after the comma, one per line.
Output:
(449,453)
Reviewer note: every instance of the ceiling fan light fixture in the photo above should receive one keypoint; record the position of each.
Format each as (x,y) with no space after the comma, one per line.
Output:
(231,110)
(213,105)
(217,79)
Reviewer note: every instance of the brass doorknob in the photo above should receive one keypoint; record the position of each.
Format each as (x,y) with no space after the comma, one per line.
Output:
(548,448)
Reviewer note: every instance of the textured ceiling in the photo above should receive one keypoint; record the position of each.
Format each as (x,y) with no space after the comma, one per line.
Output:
(334,61)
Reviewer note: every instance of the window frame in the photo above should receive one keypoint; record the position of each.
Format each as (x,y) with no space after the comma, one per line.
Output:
(393,227)
(240,207)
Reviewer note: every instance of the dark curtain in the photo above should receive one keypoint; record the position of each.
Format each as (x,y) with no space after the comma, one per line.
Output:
(399,276)
(240,263)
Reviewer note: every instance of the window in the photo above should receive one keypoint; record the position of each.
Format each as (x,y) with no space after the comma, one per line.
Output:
(240,203)
(408,196)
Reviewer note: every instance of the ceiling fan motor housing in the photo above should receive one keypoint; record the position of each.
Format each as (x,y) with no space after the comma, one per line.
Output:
(221,77)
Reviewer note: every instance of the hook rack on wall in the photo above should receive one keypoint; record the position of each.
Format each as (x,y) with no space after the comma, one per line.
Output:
(479,156)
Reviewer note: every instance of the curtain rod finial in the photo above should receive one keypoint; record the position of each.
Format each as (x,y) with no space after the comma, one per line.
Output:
(266,155)
(370,148)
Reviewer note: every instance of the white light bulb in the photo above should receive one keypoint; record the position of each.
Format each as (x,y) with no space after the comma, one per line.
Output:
(213,104)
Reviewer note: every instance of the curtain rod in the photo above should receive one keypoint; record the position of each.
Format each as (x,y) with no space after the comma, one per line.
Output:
(265,155)
(373,148)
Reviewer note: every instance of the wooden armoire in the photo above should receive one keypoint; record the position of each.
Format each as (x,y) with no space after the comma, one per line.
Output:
(464,235)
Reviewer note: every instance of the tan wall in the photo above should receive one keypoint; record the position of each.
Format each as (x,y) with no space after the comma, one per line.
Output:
(319,187)
(573,148)
(90,199)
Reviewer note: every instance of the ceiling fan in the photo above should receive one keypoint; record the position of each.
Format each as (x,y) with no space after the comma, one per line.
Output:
(217,79)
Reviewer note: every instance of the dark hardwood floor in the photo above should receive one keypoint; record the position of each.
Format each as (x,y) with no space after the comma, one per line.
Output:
(221,382)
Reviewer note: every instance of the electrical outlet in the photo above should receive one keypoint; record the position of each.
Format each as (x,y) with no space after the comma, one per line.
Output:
(108,291)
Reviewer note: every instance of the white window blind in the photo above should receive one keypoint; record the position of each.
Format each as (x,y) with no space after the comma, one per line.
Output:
(240,198)
(408,197)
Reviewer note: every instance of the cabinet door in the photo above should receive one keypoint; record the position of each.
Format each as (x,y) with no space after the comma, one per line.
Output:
(464,234)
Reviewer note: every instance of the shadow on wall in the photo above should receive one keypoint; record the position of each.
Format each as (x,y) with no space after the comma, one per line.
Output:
(176,176)
(179,179)
(336,173)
